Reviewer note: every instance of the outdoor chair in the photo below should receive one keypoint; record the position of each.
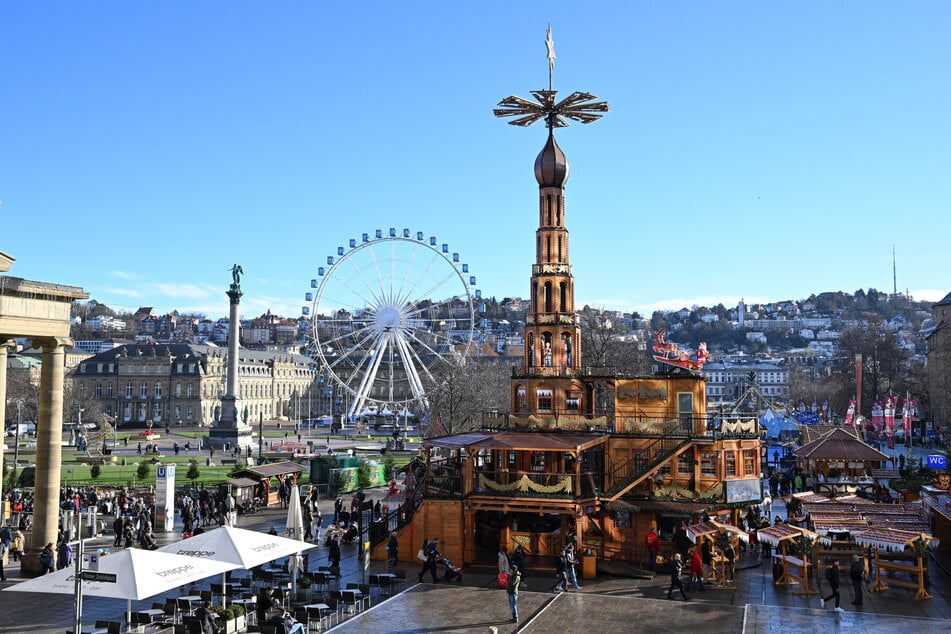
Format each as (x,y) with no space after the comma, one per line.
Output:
(171,611)
(272,629)
(184,608)
(350,599)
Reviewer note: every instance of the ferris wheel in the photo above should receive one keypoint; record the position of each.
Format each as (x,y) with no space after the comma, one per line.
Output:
(388,316)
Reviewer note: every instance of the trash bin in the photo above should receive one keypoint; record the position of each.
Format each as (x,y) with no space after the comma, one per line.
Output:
(589,566)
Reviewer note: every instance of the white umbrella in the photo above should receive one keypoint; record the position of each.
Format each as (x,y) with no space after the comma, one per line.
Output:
(295,531)
(237,546)
(140,574)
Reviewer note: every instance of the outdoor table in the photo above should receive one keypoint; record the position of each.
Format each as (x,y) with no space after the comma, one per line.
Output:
(153,614)
(325,612)
(388,580)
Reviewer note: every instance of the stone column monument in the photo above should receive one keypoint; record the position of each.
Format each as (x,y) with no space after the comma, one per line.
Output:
(228,426)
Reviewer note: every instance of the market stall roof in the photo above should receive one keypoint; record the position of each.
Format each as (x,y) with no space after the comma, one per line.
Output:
(940,504)
(269,470)
(848,525)
(526,441)
(809,497)
(243,482)
(541,441)
(783,532)
(889,539)
(815,432)
(697,531)
(839,444)
(457,441)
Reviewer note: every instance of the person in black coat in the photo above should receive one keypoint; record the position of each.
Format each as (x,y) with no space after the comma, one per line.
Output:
(265,602)
(206,617)
(857,575)
(832,576)
(682,541)
(334,555)
(676,567)
(432,557)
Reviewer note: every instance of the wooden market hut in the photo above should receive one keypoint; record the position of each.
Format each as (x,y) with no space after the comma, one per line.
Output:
(264,475)
(900,555)
(841,450)
(795,566)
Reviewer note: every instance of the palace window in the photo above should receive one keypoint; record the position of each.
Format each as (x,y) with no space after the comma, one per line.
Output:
(98,390)
(128,389)
(143,393)
(190,391)
(188,412)
(158,389)
(109,390)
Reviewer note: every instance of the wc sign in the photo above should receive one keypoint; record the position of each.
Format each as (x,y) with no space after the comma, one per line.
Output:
(937,462)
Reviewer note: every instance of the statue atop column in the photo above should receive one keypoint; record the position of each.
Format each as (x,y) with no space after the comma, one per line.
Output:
(236,273)
(228,429)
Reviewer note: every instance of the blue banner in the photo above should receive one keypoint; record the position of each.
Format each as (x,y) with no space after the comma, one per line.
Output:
(806,418)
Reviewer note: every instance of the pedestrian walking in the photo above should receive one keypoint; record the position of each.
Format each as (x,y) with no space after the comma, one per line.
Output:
(48,558)
(676,568)
(392,552)
(504,566)
(696,570)
(431,553)
(334,554)
(652,541)
(832,576)
(518,560)
(730,555)
(561,574)
(514,579)
(64,555)
(570,562)
(338,508)
(857,575)
(3,553)
(682,541)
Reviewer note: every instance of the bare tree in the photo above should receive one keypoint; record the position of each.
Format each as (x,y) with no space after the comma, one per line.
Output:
(608,343)
(465,390)
(883,359)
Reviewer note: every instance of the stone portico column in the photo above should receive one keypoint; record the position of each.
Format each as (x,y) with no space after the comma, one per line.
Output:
(49,451)
(5,347)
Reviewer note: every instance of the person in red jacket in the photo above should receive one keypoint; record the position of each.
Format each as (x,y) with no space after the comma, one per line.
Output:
(696,570)
(653,547)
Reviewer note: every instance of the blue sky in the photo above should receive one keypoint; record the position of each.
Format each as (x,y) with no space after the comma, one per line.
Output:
(757,150)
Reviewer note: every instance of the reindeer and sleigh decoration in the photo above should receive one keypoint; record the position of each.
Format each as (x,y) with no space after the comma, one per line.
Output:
(671,354)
